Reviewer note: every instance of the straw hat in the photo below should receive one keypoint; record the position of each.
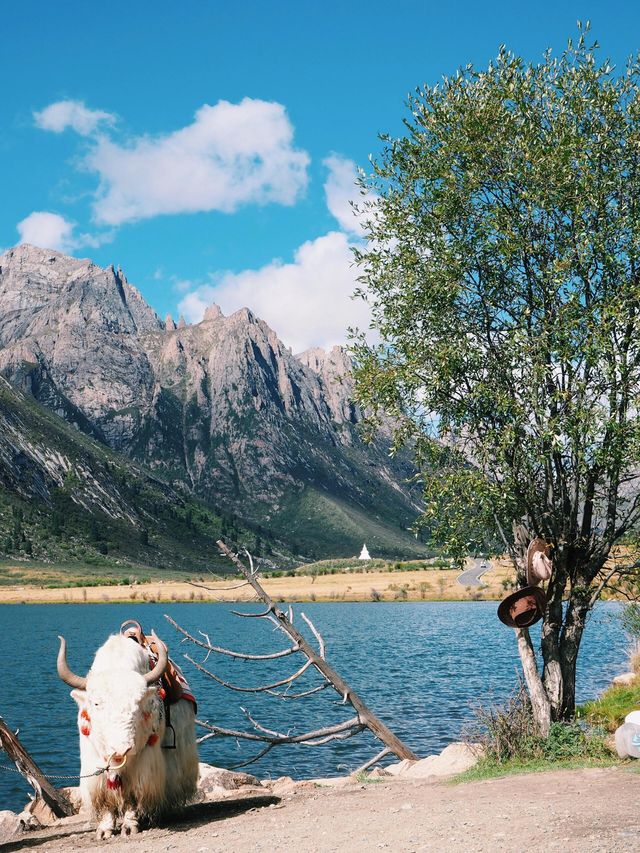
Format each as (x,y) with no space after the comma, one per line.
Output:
(523,608)
(539,565)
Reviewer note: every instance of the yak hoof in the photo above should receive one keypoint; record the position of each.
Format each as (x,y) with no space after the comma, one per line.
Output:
(102,834)
(105,827)
(130,824)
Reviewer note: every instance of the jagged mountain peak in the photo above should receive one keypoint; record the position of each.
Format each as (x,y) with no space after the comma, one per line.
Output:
(221,407)
(335,359)
(212,313)
(45,286)
(48,264)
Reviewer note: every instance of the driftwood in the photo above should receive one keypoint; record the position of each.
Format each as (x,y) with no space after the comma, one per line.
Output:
(364,719)
(25,764)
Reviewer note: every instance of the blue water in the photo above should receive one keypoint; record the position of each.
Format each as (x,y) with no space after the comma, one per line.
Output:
(419,666)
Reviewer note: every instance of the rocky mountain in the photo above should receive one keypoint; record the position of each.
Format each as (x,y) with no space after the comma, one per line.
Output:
(66,497)
(221,408)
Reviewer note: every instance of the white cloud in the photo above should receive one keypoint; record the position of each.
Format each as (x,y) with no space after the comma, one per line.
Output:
(72,114)
(341,190)
(307,302)
(232,154)
(47,230)
(52,231)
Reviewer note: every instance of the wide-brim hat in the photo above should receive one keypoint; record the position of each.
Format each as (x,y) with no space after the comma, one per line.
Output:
(523,608)
(627,739)
(538,561)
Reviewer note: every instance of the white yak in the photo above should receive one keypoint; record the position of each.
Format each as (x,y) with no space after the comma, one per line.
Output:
(121,719)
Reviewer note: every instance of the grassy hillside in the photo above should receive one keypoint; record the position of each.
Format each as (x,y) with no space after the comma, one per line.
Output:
(338,529)
(68,500)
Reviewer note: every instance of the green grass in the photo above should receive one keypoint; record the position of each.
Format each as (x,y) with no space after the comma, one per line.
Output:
(610,709)
(487,769)
(364,778)
(71,575)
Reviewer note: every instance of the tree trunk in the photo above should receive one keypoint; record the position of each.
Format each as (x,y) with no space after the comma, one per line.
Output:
(537,693)
(552,674)
(569,647)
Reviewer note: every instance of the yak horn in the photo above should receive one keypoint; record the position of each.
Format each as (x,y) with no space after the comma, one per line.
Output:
(64,672)
(163,659)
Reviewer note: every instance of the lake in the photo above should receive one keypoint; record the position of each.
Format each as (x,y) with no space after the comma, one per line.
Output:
(419,666)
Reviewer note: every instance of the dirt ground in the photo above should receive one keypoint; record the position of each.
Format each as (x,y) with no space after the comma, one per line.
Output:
(574,811)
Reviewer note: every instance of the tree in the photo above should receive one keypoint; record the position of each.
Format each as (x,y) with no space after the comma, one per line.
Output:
(502,267)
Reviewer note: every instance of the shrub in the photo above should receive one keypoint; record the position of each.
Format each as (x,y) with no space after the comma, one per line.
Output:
(424,587)
(508,733)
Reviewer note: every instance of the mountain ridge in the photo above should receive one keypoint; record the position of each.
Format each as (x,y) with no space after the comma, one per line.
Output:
(221,407)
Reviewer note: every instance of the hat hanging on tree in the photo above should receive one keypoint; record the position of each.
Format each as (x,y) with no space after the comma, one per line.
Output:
(539,565)
(523,608)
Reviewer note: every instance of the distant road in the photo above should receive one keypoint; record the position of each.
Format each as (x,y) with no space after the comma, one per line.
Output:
(472,577)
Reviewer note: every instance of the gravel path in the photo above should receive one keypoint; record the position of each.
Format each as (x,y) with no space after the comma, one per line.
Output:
(571,811)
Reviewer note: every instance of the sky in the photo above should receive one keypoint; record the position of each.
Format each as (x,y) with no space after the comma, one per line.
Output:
(210,148)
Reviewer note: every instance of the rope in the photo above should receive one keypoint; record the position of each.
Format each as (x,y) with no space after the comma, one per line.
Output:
(98,772)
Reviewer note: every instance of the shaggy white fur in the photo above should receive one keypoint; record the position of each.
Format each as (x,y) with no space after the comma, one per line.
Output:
(118,716)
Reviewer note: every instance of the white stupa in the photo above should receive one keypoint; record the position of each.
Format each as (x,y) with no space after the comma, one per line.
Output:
(364,554)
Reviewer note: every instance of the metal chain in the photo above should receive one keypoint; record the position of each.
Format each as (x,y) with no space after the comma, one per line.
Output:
(98,772)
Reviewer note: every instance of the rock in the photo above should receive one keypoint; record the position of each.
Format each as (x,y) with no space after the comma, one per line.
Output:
(454,759)
(379,773)
(212,313)
(74,797)
(216,781)
(335,781)
(400,767)
(10,824)
(169,325)
(286,785)
(281,785)
(625,678)
(37,813)
(627,740)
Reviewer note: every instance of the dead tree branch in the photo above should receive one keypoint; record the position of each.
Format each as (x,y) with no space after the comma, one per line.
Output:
(57,802)
(365,715)
(260,688)
(242,655)
(364,719)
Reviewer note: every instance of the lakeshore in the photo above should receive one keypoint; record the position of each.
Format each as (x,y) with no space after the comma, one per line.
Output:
(382,586)
(565,811)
